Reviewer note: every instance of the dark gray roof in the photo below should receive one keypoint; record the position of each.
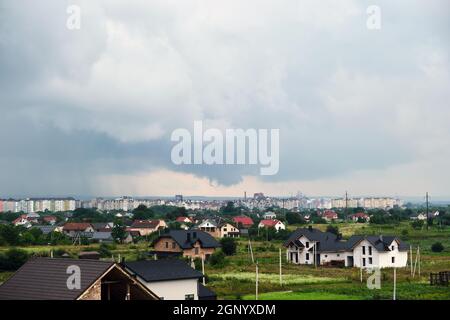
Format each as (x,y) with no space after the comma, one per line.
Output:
(328,242)
(163,270)
(381,243)
(311,234)
(187,238)
(46,279)
(205,293)
(102,235)
(45,229)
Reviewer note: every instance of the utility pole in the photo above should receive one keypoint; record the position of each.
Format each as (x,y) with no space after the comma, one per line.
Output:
(395,283)
(346,203)
(257,279)
(281,280)
(203,269)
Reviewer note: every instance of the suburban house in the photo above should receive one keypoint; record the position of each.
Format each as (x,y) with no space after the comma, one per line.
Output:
(170,279)
(74,229)
(360,216)
(102,226)
(146,227)
(45,229)
(49,219)
(243,221)
(420,216)
(58,280)
(329,215)
(184,220)
(218,230)
(22,221)
(312,246)
(188,243)
(269,215)
(272,223)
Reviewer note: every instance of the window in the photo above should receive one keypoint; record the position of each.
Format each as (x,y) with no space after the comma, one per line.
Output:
(392,248)
(189,297)
(167,245)
(393,259)
(364,262)
(196,250)
(370,250)
(173,245)
(326,256)
(363,249)
(338,255)
(307,244)
(307,256)
(370,260)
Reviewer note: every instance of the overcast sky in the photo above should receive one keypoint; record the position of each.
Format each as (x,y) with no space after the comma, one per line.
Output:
(91,111)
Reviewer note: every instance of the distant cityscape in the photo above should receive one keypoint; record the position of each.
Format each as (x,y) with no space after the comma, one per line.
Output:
(258,201)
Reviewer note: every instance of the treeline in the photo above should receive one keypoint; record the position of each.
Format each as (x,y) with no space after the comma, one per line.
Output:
(15,236)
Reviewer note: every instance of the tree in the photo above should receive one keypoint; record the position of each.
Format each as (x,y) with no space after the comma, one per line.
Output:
(294,218)
(119,232)
(437,247)
(10,234)
(417,224)
(228,246)
(13,259)
(217,258)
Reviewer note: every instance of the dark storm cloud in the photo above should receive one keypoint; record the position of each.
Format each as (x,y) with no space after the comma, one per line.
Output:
(104,99)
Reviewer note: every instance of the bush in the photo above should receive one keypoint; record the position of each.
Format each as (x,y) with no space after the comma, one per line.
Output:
(437,247)
(217,258)
(13,259)
(104,250)
(417,224)
(228,246)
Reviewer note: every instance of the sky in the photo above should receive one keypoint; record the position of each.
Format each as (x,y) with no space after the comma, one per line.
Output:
(90,111)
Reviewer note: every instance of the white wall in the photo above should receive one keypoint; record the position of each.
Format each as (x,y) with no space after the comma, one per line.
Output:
(174,289)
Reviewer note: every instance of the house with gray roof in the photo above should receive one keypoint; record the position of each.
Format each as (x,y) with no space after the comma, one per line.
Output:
(188,243)
(170,279)
(314,247)
(73,279)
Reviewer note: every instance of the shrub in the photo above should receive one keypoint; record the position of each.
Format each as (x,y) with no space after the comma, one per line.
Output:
(437,247)
(13,259)
(104,250)
(217,258)
(228,246)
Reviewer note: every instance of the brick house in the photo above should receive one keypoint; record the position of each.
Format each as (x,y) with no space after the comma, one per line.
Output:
(99,280)
(188,243)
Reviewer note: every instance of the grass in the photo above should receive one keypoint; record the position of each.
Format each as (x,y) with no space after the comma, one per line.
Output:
(236,280)
(290,295)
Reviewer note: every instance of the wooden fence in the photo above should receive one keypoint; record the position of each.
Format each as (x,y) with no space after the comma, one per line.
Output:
(439,279)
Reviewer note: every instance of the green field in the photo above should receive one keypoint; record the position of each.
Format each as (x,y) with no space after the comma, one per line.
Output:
(236,280)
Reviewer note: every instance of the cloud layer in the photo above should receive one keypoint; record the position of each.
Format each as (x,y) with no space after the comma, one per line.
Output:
(81,108)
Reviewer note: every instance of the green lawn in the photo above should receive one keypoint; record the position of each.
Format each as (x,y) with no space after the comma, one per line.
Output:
(289,295)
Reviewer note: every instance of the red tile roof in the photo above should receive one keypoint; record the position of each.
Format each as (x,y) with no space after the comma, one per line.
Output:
(246,221)
(269,222)
(151,224)
(76,226)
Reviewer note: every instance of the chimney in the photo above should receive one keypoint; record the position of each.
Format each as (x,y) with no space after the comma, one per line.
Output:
(381,237)
(310,228)
(122,261)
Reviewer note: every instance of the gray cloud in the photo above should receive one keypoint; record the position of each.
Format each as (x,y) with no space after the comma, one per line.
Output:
(104,99)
